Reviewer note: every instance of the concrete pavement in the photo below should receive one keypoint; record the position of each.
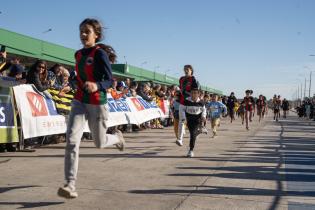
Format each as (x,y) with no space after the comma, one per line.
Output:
(272,166)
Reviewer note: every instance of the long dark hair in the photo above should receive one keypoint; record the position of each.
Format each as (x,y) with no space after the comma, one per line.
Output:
(110,52)
(33,70)
(97,26)
(190,67)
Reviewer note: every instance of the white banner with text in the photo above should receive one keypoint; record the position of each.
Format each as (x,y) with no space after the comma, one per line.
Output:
(39,116)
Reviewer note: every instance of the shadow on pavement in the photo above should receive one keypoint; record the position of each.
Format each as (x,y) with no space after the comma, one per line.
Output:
(6,189)
(27,205)
(223,191)
(293,159)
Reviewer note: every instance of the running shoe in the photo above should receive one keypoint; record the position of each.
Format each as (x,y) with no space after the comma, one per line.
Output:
(214,134)
(121,144)
(204,130)
(67,192)
(190,154)
(179,142)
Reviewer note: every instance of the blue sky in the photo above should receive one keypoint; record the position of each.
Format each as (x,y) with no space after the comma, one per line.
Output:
(233,45)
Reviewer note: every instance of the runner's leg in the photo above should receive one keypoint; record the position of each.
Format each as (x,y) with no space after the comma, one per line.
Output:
(76,123)
(97,117)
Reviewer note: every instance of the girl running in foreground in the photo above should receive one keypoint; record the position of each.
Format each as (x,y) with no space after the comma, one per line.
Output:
(94,76)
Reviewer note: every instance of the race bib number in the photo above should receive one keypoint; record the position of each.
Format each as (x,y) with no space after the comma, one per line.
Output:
(193,110)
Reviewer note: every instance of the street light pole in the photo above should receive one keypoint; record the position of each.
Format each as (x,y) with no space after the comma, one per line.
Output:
(297,97)
(310,86)
(298,94)
(305,88)
(155,68)
(166,73)
(42,41)
(301,89)
(309,89)
(168,70)
(125,60)
(48,30)
(141,65)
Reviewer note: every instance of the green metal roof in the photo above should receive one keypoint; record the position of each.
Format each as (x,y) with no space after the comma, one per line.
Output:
(30,47)
(27,46)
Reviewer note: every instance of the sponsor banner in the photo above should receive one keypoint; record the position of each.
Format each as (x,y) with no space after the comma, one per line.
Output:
(8,125)
(165,107)
(39,116)
(144,111)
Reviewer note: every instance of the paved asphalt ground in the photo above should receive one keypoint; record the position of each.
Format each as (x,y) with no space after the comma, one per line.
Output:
(272,166)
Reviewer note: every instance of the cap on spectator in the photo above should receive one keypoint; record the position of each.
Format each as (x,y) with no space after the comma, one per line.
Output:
(16,69)
(121,84)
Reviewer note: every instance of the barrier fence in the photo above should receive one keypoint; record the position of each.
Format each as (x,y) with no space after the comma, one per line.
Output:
(39,116)
(8,123)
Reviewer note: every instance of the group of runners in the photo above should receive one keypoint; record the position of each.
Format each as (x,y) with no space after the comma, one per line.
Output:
(196,109)
(277,105)
(190,107)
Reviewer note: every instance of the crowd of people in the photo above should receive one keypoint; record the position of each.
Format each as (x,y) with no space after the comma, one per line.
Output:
(306,109)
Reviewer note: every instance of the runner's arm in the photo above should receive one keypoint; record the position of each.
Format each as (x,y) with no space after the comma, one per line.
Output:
(103,65)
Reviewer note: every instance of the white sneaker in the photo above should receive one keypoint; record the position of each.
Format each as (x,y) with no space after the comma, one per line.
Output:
(190,154)
(179,142)
(121,144)
(204,130)
(67,192)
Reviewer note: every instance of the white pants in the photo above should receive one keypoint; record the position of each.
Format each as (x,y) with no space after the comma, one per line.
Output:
(96,116)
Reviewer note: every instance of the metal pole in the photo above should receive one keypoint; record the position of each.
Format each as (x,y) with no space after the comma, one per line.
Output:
(297,97)
(304,88)
(301,93)
(309,89)
(298,94)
